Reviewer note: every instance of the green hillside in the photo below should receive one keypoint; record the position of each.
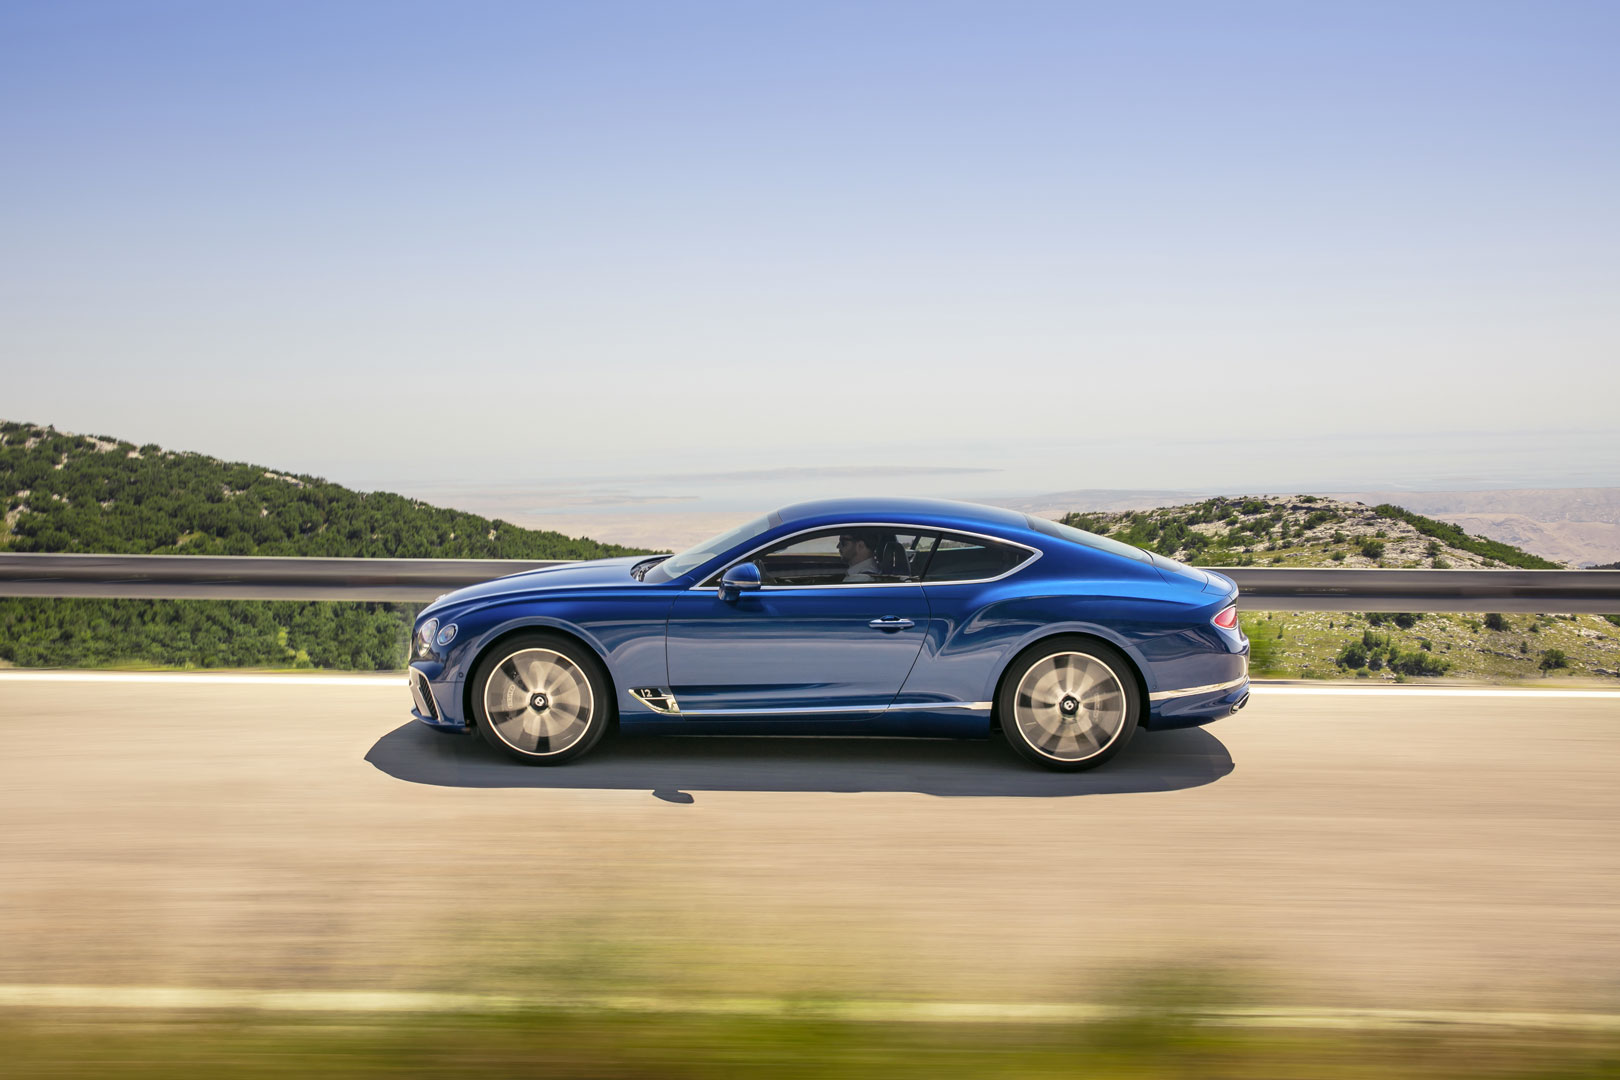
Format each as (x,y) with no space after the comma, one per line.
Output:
(82,493)
(1310,530)
(76,493)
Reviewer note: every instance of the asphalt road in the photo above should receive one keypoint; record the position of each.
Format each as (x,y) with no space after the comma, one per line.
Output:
(1394,850)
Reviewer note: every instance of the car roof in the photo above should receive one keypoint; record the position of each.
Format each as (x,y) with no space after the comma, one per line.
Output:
(941,512)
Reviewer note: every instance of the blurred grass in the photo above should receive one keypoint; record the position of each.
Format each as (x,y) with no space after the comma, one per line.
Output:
(675,1045)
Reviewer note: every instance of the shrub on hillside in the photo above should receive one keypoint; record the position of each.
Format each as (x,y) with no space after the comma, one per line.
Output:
(1494,621)
(1553,658)
(1092,523)
(1418,663)
(1373,549)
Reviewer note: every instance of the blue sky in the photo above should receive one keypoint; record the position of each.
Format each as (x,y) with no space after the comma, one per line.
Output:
(1081,246)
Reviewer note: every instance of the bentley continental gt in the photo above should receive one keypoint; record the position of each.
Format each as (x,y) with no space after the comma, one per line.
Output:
(842,617)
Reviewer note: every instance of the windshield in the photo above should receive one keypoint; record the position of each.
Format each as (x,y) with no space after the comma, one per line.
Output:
(1090,540)
(694,557)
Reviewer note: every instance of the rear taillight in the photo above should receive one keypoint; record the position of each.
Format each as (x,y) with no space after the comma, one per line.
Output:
(1227,620)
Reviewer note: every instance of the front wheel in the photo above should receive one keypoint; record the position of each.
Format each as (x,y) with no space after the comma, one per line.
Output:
(1069,703)
(541,699)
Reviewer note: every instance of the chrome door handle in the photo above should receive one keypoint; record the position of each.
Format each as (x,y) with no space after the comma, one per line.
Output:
(891,622)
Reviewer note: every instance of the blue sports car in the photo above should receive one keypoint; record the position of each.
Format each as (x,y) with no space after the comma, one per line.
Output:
(843,617)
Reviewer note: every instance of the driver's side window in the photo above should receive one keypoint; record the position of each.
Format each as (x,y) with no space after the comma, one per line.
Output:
(847,556)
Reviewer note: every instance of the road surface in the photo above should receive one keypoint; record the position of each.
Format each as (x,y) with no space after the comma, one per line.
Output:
(1349,849)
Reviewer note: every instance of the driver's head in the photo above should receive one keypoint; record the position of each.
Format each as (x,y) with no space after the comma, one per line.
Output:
(857,545)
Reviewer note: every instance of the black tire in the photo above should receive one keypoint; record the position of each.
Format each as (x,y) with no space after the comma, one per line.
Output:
(559,718)
(1093,708)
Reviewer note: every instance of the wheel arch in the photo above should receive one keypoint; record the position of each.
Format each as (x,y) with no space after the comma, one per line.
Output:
(549,630)
(1130,662)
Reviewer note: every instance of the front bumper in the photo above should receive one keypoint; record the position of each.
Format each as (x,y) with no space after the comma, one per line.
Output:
(427,700)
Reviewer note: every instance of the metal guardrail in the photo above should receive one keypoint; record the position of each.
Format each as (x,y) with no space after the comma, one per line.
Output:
(1568,592)
(247,577)
(228,577)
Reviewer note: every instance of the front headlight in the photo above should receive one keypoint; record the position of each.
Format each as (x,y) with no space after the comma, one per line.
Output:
(446,636)
(424,639)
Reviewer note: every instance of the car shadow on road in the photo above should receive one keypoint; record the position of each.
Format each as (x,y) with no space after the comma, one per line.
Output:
(671,767)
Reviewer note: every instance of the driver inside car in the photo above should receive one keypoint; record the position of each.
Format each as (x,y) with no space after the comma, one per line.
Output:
(858,551)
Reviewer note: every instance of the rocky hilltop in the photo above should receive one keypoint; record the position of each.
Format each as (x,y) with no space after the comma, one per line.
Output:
(1303,530)
(1311,530)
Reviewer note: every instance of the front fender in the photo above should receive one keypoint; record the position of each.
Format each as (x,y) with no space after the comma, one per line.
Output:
(625,631)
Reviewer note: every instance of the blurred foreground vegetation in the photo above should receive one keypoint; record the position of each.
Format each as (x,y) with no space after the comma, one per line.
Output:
(677,1045)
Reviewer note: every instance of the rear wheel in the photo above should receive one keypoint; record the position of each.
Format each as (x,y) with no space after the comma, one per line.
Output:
(541,698)
(1069,703)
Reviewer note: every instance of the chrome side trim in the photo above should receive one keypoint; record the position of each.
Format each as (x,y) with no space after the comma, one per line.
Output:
(898,526)
(1165,695)
(786,712)
(983,706)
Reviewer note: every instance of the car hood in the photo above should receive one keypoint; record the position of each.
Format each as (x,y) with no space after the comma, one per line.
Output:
(569,576)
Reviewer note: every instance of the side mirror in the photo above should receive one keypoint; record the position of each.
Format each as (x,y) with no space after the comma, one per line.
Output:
(744,577)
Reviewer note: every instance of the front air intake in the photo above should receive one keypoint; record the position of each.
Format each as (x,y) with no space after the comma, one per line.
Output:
(422,692)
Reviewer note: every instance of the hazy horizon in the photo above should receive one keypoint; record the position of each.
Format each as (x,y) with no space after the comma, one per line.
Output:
(616,251)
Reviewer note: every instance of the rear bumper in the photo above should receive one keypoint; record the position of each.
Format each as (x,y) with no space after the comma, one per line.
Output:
(1195,705)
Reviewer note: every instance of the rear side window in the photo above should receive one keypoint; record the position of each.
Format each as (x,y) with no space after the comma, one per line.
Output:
(969,558)
(1090,540)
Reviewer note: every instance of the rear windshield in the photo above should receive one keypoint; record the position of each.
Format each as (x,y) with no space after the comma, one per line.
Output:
(1090,540)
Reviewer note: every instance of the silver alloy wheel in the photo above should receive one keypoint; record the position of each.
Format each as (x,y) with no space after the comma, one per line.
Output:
(1070,706)
(538,702)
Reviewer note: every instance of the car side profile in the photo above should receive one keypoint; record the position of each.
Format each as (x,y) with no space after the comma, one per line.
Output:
(842,617)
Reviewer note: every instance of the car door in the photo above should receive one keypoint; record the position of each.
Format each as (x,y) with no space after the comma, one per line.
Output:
(827,631)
